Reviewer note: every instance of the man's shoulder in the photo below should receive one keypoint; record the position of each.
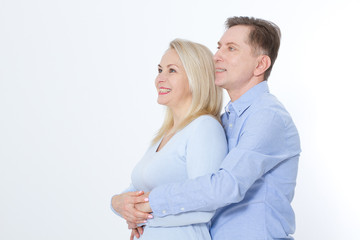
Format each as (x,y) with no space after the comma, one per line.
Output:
(269,103)
(268,109)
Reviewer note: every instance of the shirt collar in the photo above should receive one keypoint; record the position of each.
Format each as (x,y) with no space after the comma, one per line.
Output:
(242,103)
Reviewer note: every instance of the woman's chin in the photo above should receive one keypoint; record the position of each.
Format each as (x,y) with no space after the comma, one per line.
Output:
(161,102)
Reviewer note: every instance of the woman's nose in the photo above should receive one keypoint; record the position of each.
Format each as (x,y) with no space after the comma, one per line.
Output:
(160,78)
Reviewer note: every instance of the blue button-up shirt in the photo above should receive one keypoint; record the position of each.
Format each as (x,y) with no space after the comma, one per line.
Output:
(255,185)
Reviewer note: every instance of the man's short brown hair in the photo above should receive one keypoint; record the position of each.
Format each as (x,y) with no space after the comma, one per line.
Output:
(264,37)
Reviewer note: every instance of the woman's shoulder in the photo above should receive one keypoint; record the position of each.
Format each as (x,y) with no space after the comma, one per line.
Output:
(207,133)
(206,119)
(205,123)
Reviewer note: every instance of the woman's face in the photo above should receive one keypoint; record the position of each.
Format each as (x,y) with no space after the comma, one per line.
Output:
(172,83)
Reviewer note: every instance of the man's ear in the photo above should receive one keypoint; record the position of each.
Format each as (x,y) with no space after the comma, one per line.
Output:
(264,62)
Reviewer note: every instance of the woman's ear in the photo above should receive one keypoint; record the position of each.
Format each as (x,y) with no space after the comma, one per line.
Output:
(264,62)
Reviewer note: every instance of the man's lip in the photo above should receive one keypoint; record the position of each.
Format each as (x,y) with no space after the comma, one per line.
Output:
(220,70)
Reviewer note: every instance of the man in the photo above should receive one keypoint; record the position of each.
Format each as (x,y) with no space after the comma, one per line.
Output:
(254,186)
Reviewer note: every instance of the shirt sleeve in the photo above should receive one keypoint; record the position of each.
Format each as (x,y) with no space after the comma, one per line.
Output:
(261,146)
(131,188)
(206,149)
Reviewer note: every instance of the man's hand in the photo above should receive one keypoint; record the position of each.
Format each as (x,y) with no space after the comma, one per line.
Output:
(124,204)
(144,206)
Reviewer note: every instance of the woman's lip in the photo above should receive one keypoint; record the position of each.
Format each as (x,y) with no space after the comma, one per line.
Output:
(164,90)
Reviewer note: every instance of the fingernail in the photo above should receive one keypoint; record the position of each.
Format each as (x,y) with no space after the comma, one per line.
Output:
(144,221)
(150,216)
(146,199)
(140,191)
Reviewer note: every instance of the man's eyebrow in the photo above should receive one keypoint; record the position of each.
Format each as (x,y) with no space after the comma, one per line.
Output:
(228,43)
(232,43)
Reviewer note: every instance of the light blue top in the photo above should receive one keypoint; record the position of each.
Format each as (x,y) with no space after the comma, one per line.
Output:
(196,150)
(255,184)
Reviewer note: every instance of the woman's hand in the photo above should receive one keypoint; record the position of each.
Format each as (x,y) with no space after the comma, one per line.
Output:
(124,204)
(137,232)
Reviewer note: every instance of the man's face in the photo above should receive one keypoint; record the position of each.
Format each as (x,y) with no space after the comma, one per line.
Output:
(235,60)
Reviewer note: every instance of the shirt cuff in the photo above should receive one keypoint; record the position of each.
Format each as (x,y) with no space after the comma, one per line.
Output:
(158,203)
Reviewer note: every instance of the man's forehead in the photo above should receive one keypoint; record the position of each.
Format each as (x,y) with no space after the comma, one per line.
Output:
(227,43)
(235,35)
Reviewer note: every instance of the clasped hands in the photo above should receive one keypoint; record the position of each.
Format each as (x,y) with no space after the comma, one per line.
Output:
(134,207)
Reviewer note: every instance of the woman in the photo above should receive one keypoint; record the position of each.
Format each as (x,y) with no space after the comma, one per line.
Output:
(191,141)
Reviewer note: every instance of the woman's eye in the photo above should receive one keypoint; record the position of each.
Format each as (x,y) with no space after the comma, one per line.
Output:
(171,70)
(159,70)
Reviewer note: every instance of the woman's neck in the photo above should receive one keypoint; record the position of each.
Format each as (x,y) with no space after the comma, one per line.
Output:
(179,115)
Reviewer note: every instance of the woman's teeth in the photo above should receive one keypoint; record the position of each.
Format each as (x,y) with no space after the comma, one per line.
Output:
(163,90)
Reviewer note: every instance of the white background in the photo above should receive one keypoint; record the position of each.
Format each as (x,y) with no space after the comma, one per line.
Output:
(78,106)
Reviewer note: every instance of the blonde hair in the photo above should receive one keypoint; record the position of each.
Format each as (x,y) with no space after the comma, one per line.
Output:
(206,97)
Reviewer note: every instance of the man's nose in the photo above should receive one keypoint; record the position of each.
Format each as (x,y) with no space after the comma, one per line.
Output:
(217,56)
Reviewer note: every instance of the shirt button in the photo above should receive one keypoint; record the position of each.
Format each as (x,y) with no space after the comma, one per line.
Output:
(182,209)
(163,211)
(230,125)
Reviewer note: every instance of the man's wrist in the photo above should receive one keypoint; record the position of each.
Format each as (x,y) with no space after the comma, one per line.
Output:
(143,207)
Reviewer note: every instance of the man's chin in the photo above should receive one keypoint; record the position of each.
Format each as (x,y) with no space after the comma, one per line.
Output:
(219,83)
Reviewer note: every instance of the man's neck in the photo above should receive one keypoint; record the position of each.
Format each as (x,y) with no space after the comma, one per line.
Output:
(235,94)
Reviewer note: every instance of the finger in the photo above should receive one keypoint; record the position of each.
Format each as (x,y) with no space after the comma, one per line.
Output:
(131,214)
(136,233)
(141,230)
(136,220)
(143,218)
(140,221)
(143,207)
(140,199)
(131,225)
(138,215)
(134,199)
(137,193)
(132,235)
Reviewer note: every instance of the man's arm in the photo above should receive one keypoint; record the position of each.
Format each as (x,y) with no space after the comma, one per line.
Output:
(262,146)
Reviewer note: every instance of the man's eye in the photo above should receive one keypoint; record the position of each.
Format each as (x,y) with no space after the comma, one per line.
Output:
(159,70)
(231,48)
